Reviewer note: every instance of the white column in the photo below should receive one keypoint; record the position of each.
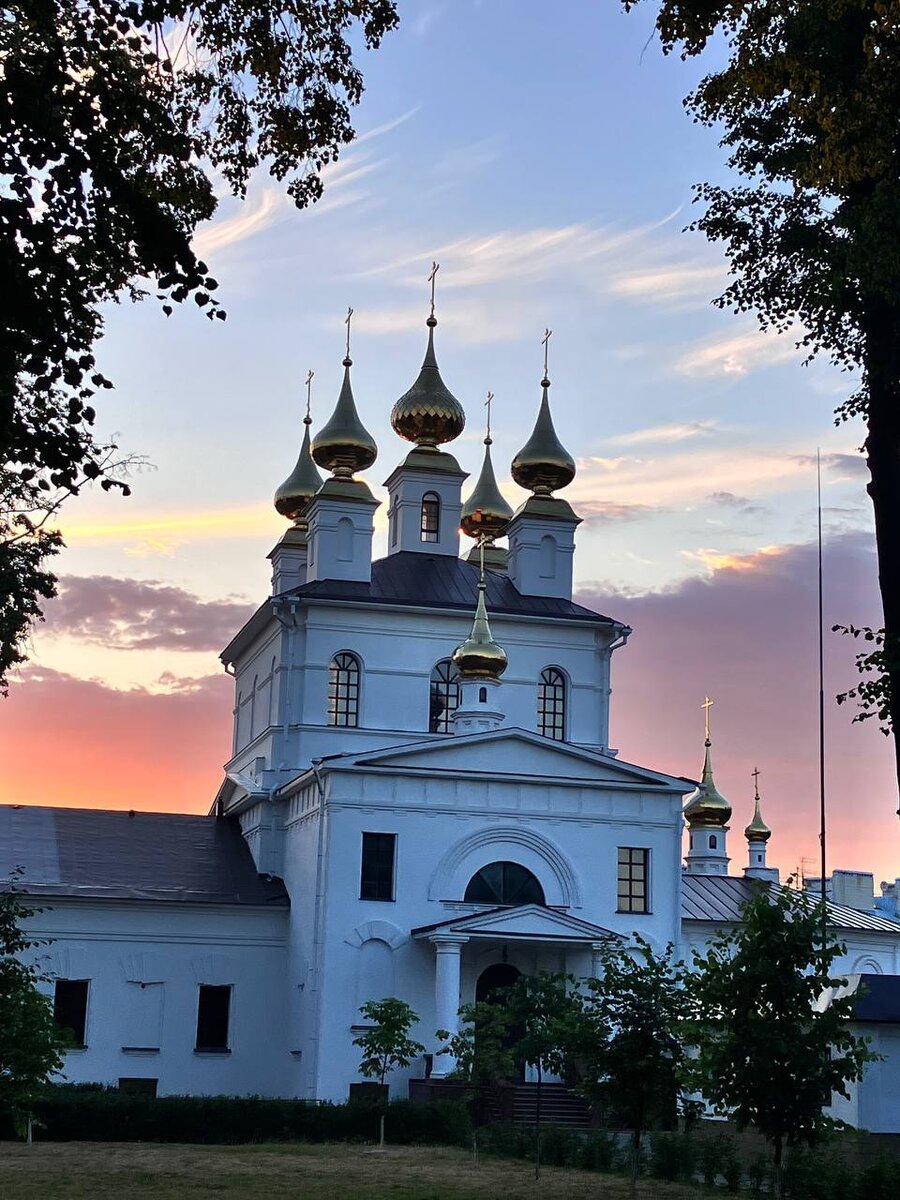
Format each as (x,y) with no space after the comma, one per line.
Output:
(447,947)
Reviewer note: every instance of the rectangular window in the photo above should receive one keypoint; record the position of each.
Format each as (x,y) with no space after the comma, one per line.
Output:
(138,1087)
(213,1010)
(70,1008)
(377,875)
(634,880)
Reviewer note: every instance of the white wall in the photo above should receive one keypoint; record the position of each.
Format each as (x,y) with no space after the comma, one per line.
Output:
(116,945)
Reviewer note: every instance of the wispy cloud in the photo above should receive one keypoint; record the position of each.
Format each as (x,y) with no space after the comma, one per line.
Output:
(656,434)
(611,511)
(257,213)
(717,560)
(738,354)
(696,283)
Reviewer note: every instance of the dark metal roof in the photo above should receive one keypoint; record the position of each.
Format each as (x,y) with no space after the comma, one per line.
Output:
(96,853)
(443,581)
(720,898)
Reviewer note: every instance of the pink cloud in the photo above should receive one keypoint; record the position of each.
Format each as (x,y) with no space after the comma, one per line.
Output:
(77,743)
(747,637)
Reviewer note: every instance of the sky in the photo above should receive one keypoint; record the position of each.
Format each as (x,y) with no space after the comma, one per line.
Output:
(542,155)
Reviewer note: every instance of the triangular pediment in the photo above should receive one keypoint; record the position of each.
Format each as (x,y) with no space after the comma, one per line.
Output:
(517,753)
(525,922)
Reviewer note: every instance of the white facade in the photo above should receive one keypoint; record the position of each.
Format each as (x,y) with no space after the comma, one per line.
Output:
(595,843)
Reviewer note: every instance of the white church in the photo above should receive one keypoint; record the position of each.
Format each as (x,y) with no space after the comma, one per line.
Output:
(421,800)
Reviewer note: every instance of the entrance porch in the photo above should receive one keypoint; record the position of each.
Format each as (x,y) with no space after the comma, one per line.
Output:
(495,946)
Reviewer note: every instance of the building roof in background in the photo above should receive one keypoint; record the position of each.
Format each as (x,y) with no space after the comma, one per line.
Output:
(441,581)
(100,854)
(720,898)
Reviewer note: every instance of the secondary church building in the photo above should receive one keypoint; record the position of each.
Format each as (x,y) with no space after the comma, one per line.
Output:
(421,799)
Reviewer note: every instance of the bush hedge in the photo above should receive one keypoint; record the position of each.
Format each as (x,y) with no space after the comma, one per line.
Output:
(92,1113)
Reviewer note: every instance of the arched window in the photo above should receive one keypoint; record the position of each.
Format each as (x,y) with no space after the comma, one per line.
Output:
(431,517)
(548,557)
(443,696)
(343,690)
(504,883)
(713,842)
(345,540)
(552,704)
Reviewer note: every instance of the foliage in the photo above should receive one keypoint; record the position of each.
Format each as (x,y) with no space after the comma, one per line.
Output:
(387,1044)
(30,1043)
(117,116)
(673,1156)
(634,1017)
(873,692)
(481,1045)
(808,107)
(769,1054)
(595,1150)
(544,1018)
(91,1112)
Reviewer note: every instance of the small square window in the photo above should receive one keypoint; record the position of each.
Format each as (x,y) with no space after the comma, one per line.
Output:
(377,873)
(633,891)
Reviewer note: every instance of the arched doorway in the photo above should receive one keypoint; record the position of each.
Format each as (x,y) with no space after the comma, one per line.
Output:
(489,990)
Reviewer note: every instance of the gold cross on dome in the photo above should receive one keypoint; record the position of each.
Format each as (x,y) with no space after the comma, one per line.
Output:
(755,775)
(435,267)
(545,342)
(706,706)
(347,323)
(309,379)
(487,405)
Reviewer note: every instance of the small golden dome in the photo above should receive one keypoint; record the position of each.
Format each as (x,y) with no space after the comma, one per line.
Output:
(485,514)
(294,495)
(707,807)
(428,414)
(543,465)
(757,830)
(479,656)
(344,445)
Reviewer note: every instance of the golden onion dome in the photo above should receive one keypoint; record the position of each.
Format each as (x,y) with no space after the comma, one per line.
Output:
(479,656)
(543,465)
(757,830)
(707,807)
(485,514)
(294,495)
(428,414)
(344,445)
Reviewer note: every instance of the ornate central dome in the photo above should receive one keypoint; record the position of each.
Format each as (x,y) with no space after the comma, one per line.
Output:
(428,414)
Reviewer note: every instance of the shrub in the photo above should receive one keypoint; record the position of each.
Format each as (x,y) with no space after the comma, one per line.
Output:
(673,1156)
(92,1113)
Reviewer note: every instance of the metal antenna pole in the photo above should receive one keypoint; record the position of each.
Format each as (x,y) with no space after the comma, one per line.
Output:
(823,860)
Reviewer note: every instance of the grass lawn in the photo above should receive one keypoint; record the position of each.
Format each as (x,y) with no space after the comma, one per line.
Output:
(132,1171)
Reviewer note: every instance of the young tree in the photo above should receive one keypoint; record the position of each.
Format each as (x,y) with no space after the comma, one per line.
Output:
(481,1047)
(117,117)
(387,1043)
(769,1053)
(544,1013)
(632,1046)
(808,103)
(30,1043)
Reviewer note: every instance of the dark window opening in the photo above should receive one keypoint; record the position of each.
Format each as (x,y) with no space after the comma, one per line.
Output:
(138,1087)
(377,874)
(213,1011)
(443,696)
(504,883)
(343,690)
(713,842)
(70,1009)
(633,881)
(552,704)
(482,695)
(431,517)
